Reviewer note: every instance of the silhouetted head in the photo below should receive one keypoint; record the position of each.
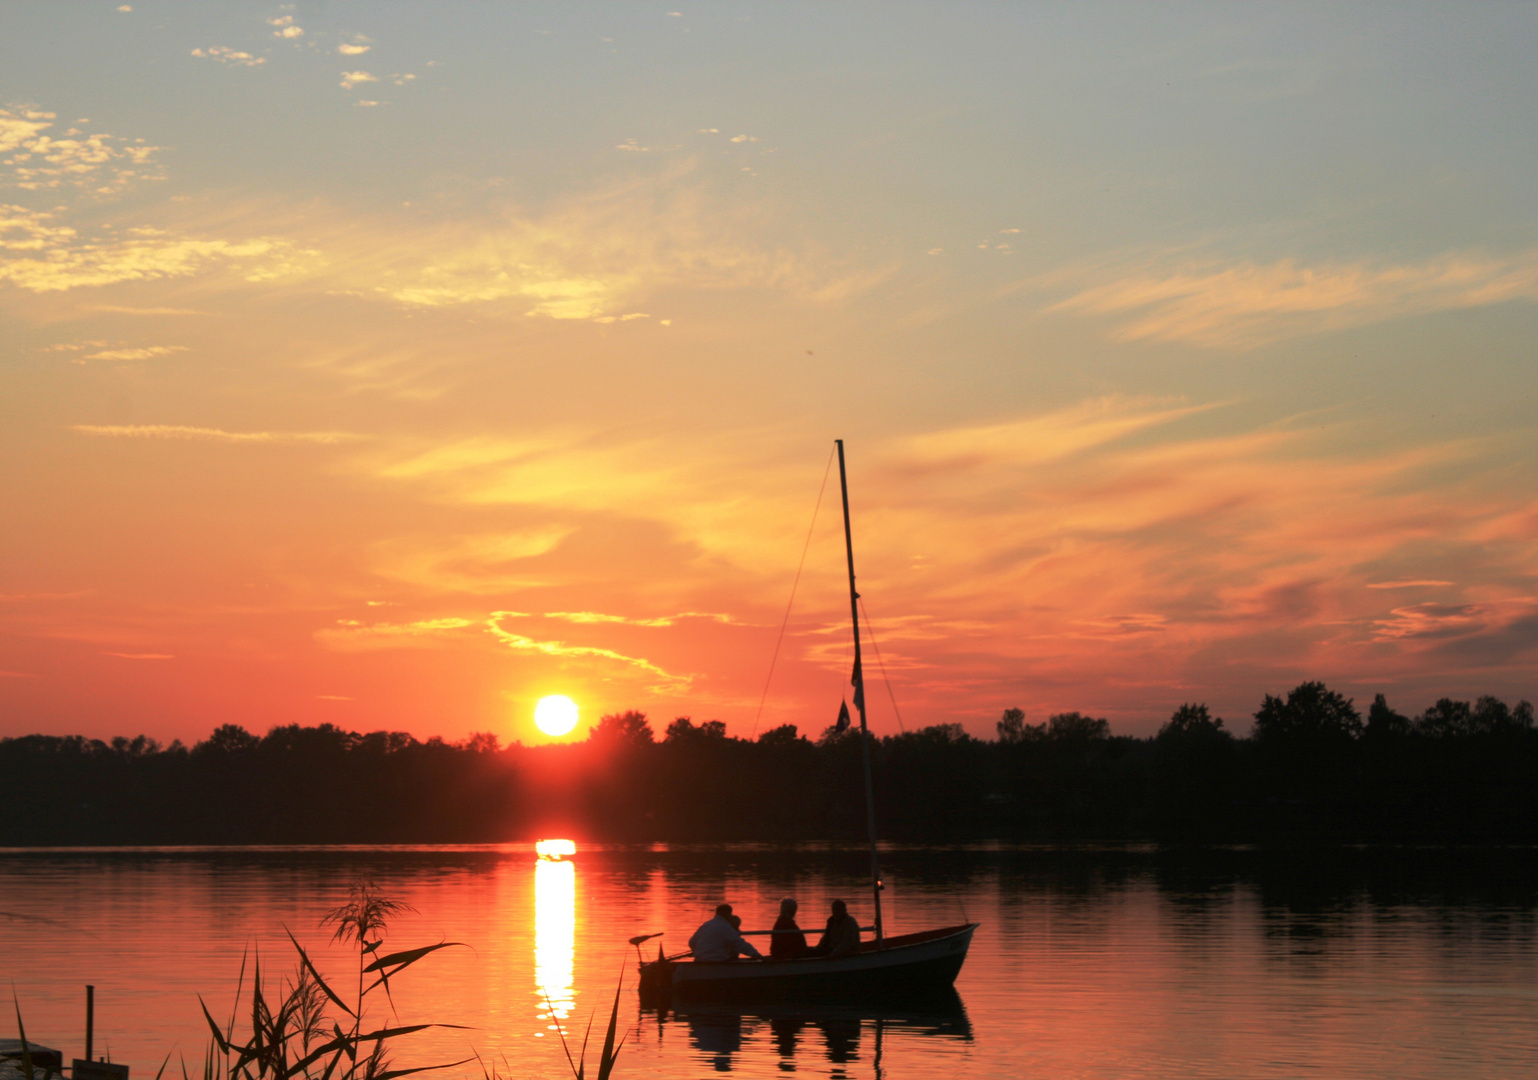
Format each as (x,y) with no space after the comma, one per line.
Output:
(840,908)
(735,920)
(788,906)
(723,910)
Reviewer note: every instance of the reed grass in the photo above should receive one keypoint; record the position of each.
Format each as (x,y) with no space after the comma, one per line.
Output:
(26,1047)
(306,1031)
(610,1052)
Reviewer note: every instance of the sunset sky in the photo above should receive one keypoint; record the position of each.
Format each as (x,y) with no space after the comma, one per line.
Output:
(396,365)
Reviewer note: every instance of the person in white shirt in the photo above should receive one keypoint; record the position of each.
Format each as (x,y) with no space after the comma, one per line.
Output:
(717,940)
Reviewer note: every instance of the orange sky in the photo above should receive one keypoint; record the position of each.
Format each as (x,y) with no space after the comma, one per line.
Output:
(397,371)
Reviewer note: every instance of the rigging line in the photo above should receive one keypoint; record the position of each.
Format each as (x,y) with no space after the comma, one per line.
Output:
(789,603)
(885,681)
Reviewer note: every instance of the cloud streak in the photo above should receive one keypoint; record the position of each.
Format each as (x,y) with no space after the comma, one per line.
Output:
(598,255)
(560,649)
(595,617)
(352,636)
(181,433)
(43,255)
(1244,304)
(147,352)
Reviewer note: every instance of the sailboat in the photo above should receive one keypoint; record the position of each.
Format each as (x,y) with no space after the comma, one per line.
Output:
(886,968)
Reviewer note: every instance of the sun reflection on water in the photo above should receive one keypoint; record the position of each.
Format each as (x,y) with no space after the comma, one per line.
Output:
(555,927)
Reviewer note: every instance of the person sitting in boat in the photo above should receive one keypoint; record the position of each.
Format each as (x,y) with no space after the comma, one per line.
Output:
(788,941)
(841,937)
(717,940)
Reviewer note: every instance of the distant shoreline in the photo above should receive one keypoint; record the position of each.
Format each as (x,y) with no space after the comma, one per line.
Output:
(1312,773)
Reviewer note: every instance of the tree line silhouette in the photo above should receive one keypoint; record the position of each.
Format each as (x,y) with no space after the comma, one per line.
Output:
(1311,770)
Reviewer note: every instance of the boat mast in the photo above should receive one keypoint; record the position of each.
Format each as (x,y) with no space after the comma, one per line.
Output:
(859,702)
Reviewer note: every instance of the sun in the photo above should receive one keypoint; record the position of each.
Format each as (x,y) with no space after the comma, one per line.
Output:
(555,715)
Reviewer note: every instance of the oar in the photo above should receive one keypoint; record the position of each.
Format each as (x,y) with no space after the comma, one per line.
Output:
(636,941)
(639,938)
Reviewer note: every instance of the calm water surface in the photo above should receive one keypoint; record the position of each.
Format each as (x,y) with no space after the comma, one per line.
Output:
(1088,964)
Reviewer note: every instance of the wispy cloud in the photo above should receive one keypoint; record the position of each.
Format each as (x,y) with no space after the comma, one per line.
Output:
(172,431)
(123,309)
(591,617)
(229,56)
(353,78)
(95,162)
(597,255)
(45,255)
(560,649)
(141,655)
(1438,625)
(1243,304)
(349,635)
(1036,439)
(285,27)
(148,352)
(480,564)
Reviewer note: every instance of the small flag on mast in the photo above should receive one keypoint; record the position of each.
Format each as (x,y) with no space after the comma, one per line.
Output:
(843,717)
(859,685)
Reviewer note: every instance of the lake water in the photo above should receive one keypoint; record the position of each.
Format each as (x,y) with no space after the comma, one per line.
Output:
(1113,963)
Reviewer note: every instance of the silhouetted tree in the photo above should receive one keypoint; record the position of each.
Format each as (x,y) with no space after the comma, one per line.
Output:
(1011,726)
(1384,723)
(1195,776)
(1313,714)
(1308,760)
(1447,719)
(782,736)
(483,742)
(1311,770)
(684,730)
(1072,726)
(626,728)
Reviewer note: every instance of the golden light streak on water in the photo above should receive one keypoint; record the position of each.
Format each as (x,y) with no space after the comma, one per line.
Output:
(555,928)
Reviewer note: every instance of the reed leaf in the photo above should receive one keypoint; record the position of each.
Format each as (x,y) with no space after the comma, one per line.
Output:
(610,1053)
(240,983)
(21,1032)
(576,1070)
(304,958)
(351,1047)
(392,1073)
(390,1033)
(408,957)
(399,961)
(334,1047)
(219,1039)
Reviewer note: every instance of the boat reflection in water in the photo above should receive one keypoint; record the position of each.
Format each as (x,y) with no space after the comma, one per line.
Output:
(840,1034)
(555,928)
